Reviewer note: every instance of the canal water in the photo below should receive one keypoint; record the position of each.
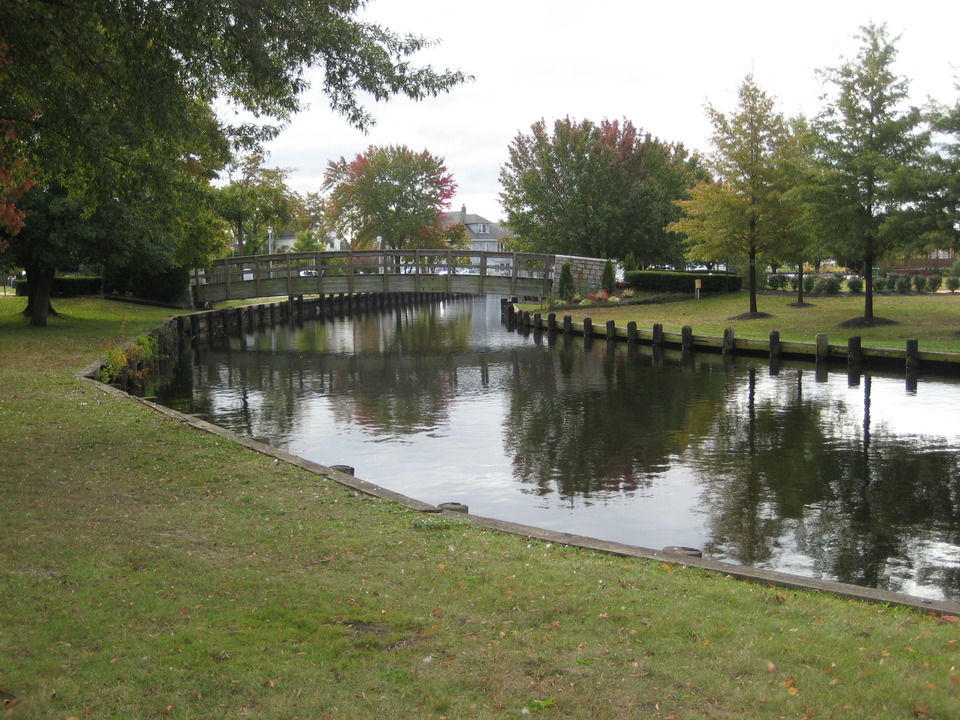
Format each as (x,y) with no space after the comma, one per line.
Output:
(851,478)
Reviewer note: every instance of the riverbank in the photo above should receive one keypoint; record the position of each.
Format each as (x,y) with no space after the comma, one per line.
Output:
(931,318)
(151,570)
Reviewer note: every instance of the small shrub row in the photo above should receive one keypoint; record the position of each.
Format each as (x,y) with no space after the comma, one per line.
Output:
(905,283)
(670,281)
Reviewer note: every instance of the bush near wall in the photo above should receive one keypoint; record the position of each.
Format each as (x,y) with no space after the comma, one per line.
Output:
(671,281)
(164,286)
(67,286)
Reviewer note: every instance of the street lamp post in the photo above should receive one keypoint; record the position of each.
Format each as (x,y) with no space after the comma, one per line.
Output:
(270,239)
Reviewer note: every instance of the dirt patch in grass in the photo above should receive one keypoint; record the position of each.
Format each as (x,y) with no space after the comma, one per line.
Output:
(751,316)
(862,322)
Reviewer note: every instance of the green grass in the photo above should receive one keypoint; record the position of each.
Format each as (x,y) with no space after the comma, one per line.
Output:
(932,318)
(148,570)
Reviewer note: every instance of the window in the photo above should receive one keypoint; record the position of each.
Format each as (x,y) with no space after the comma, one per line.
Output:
(482,229)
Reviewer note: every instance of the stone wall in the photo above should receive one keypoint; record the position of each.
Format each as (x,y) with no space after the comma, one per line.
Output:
(587,272)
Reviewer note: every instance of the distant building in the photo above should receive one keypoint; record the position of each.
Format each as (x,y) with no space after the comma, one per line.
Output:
(484,236)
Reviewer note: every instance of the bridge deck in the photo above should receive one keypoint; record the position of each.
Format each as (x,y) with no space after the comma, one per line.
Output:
(457,271)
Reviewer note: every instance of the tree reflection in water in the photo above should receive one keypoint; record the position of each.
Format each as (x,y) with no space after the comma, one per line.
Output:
(788,468)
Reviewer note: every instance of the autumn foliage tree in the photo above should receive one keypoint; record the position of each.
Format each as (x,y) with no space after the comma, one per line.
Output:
(740,213)
(601,190)
(394,194)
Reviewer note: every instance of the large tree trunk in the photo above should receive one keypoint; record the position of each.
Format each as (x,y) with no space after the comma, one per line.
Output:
(39,286)
(868,281)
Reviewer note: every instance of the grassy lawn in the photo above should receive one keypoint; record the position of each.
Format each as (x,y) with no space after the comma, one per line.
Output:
(931,318)
(148,570)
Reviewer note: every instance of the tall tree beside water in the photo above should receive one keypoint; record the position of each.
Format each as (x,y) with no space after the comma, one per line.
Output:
(741,213)
(874,156)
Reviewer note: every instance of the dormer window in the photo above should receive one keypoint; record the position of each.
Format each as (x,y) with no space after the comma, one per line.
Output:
(482,229)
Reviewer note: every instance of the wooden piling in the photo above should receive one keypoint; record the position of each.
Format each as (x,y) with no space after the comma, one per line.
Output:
(632,335)
(854,351)
(686,338)
(728,341)
(611,329)
(587,327)
(658,335)
(775,345)
(823,347)
(913,355)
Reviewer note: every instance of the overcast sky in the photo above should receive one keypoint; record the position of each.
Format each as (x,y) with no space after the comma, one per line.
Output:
(593,59)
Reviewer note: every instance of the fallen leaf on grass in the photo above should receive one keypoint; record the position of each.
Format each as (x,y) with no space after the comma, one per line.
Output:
(771,668)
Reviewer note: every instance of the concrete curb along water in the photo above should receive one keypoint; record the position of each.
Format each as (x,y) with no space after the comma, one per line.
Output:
(756,575)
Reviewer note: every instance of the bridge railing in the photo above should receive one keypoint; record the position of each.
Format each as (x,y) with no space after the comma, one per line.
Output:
(280,270)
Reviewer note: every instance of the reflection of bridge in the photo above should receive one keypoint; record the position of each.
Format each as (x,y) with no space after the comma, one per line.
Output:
(371,271)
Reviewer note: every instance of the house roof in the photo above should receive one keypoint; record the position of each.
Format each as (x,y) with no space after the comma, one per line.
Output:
(475,224)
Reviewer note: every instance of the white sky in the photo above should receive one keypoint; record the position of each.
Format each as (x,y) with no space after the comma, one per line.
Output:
(593,59)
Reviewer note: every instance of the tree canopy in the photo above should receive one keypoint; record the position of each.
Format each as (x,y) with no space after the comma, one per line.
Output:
(392,194)
(112,99)
(255,198)
(603,190)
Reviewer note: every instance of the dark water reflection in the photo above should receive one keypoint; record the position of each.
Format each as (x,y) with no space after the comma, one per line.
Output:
(848,478)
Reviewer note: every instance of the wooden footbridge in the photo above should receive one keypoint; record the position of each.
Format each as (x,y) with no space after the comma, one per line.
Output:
(374,271)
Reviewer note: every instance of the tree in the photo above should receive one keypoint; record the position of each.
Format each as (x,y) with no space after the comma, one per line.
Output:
(740,213)
(57,236)
(604,190)
(800,236)
(112,100)
(872,153)
(255,198)
(944,202)
(392,196)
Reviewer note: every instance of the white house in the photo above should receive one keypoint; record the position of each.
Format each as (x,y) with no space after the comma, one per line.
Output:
(485,236)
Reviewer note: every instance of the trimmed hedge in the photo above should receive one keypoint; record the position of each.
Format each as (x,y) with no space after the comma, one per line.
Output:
(672,281)
(67,286)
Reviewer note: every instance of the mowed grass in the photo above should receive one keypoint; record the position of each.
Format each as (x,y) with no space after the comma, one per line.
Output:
(148,570)
(931,318)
